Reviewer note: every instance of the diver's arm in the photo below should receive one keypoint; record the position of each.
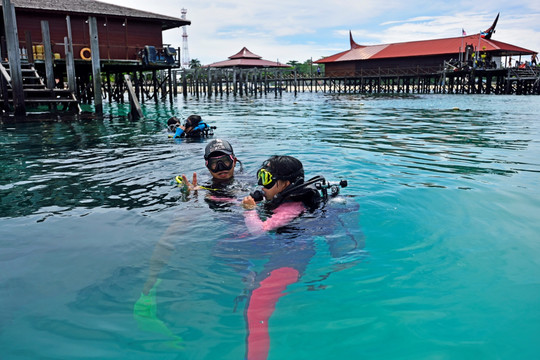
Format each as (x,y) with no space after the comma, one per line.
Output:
(283,215)
(160,258)
(179,131)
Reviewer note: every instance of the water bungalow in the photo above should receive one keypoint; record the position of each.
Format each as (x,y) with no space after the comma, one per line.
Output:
(426,56)
(124,40)
(467,64)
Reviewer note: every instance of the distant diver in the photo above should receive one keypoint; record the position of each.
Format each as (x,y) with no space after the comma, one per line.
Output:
(194,127)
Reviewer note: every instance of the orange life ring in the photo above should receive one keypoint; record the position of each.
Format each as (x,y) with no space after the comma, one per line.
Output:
(83,54)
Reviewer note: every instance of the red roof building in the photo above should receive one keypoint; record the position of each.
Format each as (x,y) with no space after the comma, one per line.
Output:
(429,55)
(246,59)
(122,31)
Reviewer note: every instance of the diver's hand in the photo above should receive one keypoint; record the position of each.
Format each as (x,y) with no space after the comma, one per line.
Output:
(193,184)
(249,203)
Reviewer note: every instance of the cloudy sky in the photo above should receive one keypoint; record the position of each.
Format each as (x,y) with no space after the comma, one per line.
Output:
(300,30)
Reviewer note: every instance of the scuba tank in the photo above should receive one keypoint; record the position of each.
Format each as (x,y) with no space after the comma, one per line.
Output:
(311,192)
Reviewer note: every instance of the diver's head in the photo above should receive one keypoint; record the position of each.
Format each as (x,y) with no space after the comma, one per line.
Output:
(172,123)
(220,159)
(191,122)
(277,173)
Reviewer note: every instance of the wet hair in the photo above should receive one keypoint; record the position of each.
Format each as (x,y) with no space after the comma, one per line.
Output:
(172,122)
(284,167)
(193,120)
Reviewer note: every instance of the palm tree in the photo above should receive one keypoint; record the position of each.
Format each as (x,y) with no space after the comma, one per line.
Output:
(194,64)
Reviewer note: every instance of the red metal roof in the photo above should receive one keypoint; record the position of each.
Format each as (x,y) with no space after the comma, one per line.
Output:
(424,48)
(245,58)
(245,54)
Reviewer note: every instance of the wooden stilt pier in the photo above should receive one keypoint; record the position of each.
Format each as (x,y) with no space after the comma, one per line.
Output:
(251,82)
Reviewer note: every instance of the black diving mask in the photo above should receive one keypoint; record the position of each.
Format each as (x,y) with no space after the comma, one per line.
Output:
(220,163)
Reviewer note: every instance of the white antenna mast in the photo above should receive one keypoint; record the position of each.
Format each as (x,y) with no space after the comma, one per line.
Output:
(185,52)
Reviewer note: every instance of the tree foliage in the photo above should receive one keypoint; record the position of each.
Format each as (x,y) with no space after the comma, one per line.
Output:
(307,67)
(194,64)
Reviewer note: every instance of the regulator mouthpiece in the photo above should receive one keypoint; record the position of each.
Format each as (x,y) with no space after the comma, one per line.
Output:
(257,195)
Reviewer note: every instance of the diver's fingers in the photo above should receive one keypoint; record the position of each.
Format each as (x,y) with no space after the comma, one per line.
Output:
(194,179)
(186,181)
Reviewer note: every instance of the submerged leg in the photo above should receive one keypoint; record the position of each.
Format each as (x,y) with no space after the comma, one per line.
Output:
(261,306)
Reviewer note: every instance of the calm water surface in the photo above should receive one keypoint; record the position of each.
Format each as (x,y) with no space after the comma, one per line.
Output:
(443,200)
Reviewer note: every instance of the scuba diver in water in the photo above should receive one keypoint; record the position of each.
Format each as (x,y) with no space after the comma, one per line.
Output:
(194,127)
(221,163)
(287,196)
(282,179)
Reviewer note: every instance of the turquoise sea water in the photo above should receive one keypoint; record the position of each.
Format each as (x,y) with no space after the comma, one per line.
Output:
(443,200)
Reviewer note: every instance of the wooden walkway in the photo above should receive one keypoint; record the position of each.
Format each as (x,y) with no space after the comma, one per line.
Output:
(254,82)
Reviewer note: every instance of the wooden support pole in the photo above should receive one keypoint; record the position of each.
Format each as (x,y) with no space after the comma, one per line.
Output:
(295,81)
(175,83)
(234,82)
(209,82)
(49,66)
(170,85)
(70,66)
(241,85)
(136,84)
(135,108)
(109,89)
(29,48)
(220,83)
(142,83)
(70,60)
(155,85)
(246,83)
(14,56)
(96,70)
(184,83)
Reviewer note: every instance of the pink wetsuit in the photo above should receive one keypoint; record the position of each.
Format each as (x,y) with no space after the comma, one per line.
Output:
(283,214)
(263,299)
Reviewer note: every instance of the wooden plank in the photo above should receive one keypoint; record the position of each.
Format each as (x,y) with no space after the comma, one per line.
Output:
(4,88)
(96,70)
(135,110)
(5,73)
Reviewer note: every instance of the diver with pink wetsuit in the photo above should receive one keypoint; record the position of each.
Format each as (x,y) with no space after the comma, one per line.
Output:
(287,197)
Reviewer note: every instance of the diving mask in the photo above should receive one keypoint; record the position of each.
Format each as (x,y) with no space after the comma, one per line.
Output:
(265,178)
(220,163)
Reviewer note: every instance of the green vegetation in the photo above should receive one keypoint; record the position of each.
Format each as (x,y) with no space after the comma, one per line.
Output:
(307,67)
(194,64)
